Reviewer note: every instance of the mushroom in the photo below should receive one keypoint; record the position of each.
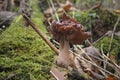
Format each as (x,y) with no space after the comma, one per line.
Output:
(68,31)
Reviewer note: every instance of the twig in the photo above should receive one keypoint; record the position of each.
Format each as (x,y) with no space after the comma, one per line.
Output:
(54,10)
(113,35)
(114,65)
(97,66)
(90,59)
(50,12)
(105,60)
(40,33)
(97,6)
(112,62)
(97,59)
(56,43)
(58,74)
(107,33)
(104,56)
(91,29)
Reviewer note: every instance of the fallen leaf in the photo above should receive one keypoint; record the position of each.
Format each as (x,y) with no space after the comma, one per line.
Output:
(111,78)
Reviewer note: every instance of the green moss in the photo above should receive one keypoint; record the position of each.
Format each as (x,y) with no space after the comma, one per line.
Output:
(109,18)
(97,21)
(115,47)
(23,54)
(37,16)
(92,17)
(83,18)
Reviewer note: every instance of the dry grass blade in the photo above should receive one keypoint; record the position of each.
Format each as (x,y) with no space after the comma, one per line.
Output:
(97,66)
(91,59)
(55,10)
(105,57)
(94,64)
(58,74)
(115,26)
(112,62)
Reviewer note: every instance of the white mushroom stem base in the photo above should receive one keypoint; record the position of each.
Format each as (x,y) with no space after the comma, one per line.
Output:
(65,58)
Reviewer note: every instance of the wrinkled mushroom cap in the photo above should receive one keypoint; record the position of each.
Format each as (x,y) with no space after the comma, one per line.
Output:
(69,29)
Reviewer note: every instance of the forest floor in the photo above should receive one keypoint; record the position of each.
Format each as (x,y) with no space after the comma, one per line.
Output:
(24,55)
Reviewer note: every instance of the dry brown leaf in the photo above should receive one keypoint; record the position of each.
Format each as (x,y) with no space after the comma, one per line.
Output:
(67,7)
(117,11)
(111,78)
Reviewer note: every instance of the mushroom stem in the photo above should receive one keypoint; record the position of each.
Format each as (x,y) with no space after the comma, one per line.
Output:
(64,46)
(65,58)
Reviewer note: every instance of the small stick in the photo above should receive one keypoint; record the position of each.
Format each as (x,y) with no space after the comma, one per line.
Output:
(90,59)
(105,57)
(58,74)
(115,26)
(97,66)
(54,10)
(104,60)
(40,33)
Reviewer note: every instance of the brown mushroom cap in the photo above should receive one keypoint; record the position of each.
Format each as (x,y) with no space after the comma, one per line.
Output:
(70,29)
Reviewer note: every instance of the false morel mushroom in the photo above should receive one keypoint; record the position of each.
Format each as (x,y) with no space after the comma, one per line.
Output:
(67,31)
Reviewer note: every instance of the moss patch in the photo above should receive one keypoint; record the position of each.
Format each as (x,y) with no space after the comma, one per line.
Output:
(23,54)
(99,21)
(115,47)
